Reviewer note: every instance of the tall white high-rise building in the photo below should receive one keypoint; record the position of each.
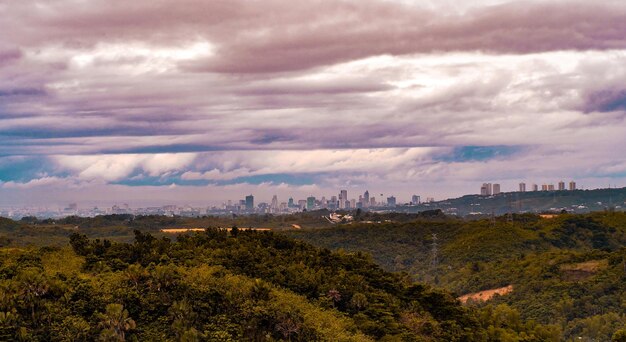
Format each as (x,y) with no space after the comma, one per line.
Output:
(496,189)
(486,189)
(415,200)
(274,204)
(343,197)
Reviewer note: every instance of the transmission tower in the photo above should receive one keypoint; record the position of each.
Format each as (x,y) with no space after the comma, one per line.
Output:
(434,251)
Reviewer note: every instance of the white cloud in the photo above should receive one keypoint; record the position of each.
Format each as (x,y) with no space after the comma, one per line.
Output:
(117,167)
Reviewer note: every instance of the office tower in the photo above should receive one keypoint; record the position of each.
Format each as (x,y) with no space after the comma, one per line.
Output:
(249,202)
(310,202)
(372,201)
(290,204)
(391,201)
(274,204)
(415,200)
(366,198)
(551,187)
(522,187)
(572,186)
(544,187)
(353,203)
(561,185)
(496,189)
(343,198)
(324,203)
(535,187)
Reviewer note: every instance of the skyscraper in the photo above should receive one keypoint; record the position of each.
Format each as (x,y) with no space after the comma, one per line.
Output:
(535,187)
(496,189)
(561,185)
(391,201)
(366,198)
(310,202)
(522,187)
(249,202)
(415,199)
(343,197)
(486,189)
(572,186)
(290,204)
(274,205)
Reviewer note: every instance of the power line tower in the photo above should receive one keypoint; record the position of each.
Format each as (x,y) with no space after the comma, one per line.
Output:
(434,251)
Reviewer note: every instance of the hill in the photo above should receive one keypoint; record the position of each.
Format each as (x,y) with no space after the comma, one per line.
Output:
(577,201)
(242,285)
(568,270)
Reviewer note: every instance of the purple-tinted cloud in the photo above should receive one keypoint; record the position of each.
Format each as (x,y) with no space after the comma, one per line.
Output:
(241,91)
(606,101)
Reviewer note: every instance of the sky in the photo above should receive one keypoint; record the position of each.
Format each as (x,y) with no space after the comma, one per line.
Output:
(151,102)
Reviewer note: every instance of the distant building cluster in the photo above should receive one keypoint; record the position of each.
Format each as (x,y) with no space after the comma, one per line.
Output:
(489,189)
(549,187)
(339,202)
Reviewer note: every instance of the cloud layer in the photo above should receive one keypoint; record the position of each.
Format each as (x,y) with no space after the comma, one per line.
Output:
(405,97)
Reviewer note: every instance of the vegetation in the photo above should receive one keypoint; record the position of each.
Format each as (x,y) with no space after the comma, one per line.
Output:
(568,271)
(242,285)
(120,279)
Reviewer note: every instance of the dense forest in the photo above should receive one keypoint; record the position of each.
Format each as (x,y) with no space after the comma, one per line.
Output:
(237,285)
(568,271)
(389,277)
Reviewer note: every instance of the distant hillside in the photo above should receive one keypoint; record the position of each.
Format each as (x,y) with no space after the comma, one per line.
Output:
(578,201)
(569,270)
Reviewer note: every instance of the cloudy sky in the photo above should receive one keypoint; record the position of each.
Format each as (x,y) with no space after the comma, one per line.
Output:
(196,102)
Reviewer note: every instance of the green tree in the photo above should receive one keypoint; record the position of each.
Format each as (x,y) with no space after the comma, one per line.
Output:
(115,322)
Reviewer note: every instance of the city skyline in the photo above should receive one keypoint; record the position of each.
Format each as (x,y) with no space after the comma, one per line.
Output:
(197,102)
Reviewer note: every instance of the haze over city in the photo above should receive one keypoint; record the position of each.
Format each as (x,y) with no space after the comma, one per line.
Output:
(198,102)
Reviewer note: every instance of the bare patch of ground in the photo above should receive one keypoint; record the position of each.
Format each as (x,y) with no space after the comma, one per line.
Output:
(184,230)
(486,295)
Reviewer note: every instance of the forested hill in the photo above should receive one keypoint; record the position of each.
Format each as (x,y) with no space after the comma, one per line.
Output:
(568,270)
(578,201)
(219,286)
